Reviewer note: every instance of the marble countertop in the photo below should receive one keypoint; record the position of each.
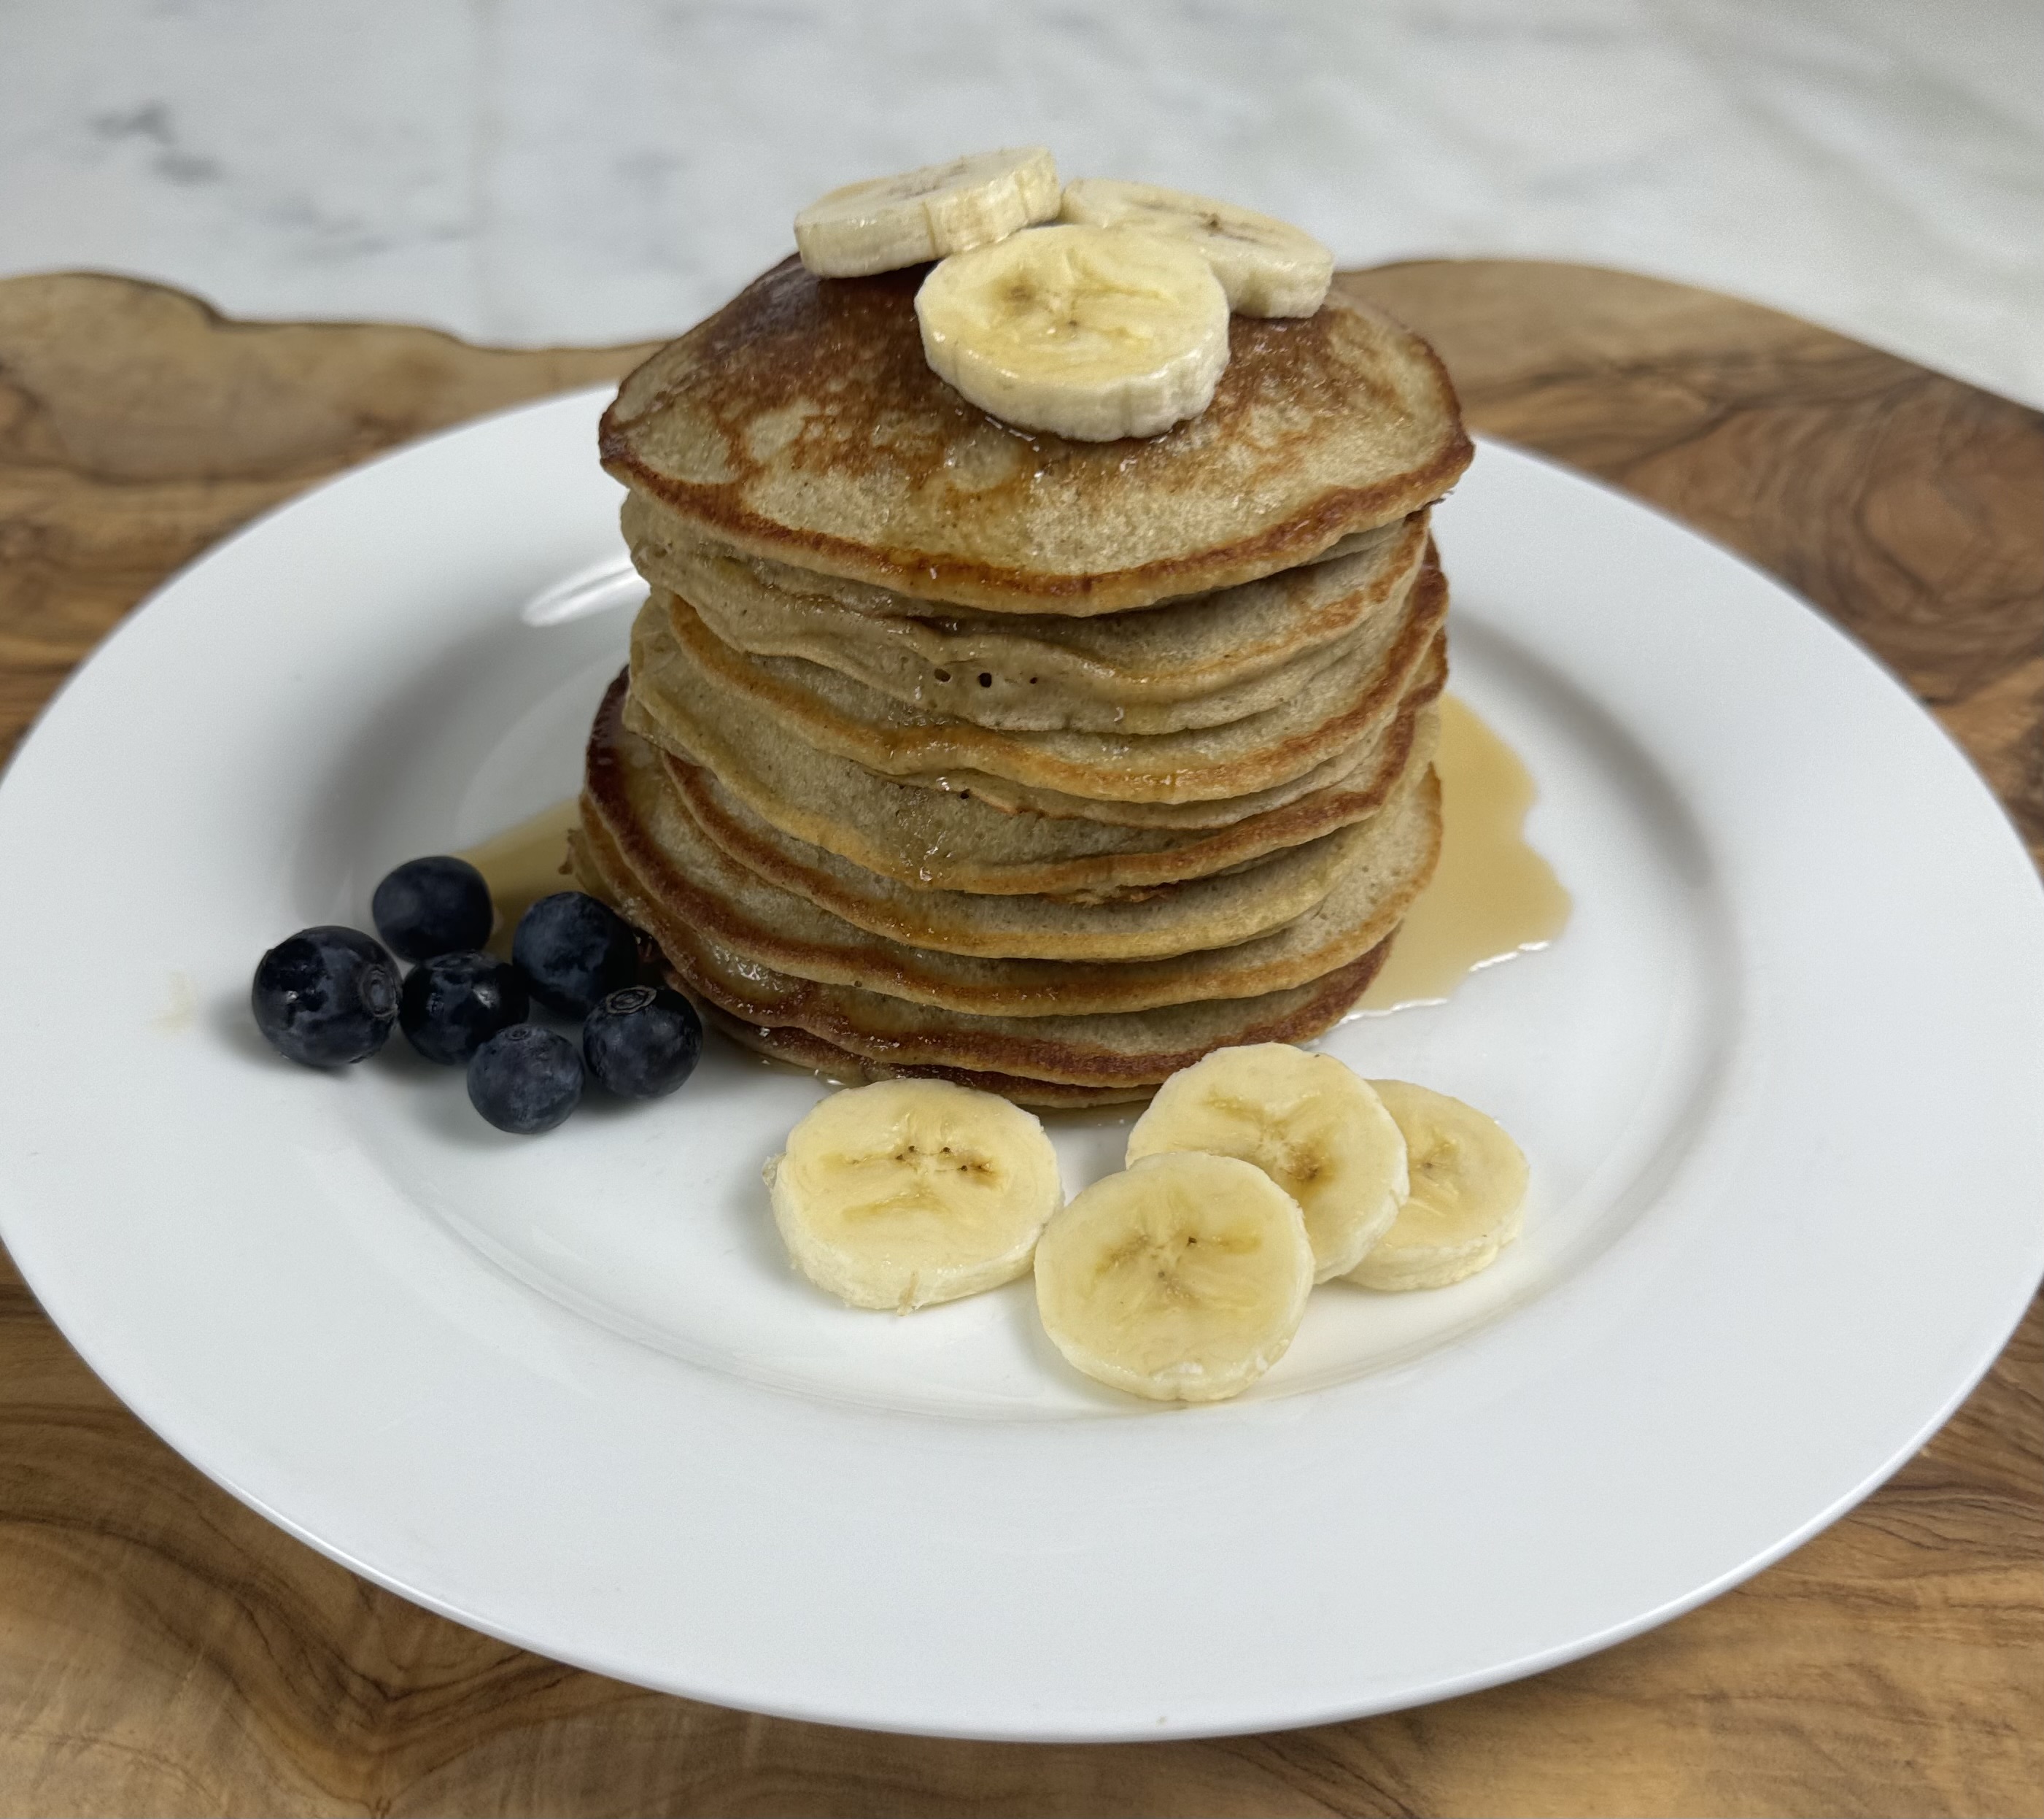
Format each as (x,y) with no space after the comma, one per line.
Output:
(525,172)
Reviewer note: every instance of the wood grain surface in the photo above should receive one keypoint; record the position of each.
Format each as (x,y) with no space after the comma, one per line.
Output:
(164,1650)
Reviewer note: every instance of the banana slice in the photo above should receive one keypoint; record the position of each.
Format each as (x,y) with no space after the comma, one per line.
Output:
(1092,332)
(1182,1278)
(1268,268)
(913,1191)
(1316,1127)
(1469,1183)
(888,222)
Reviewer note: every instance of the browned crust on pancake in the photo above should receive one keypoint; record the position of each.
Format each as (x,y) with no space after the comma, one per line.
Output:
(1064,1064)
(798,1048)
(789,338)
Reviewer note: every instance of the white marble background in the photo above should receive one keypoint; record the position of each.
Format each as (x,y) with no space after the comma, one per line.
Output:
(535,170)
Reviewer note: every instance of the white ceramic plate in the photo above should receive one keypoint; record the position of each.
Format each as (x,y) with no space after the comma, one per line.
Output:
(1778,1082)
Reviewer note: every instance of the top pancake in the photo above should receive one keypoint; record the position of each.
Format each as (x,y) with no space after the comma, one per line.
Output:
(802,424)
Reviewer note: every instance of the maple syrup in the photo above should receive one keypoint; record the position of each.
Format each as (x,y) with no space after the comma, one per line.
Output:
(522,864)
(1492,895)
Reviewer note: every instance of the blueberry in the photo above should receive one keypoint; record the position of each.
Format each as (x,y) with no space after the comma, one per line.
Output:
(525,1079)
(326,996)
(453,1003)
(430,906)
(574,951)
(642,1041)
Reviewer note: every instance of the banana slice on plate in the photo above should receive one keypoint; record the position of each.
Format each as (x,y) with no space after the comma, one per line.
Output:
(1182,1280)
(1469,1186)
(888,222)
(913,1191)
(1268,268)
(1316,1127)
(1091,333)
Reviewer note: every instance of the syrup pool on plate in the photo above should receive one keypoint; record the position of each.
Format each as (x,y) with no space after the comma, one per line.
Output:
(1492,895)
(524,863)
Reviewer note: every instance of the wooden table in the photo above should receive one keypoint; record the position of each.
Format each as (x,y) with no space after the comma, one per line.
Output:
(163,1649)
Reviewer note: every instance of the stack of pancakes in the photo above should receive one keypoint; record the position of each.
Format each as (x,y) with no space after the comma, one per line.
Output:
(1044,766)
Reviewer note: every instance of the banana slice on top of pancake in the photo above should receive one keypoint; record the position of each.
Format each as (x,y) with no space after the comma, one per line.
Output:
(885,223)
(909,1192)
(1267,267)
(1311,1124)
(1090,332)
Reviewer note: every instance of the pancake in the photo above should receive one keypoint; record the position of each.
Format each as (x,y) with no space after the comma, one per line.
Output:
(1133,1048)
(679,667)
(798,1048)
(700,725)
(1143,1049)
(655,535)
(685,895)
(954,841)
(640,845)
(1214,912)
(1188,663)
(802,424)
(1009,797)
